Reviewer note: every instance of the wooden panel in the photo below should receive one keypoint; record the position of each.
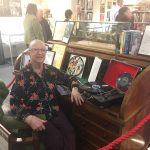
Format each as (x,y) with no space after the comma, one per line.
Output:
(97,126)
(98,130)
(140,60)
(99,117)
(84,144)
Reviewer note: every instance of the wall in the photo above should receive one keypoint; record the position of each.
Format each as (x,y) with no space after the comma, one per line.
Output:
(12,26)
(58,8)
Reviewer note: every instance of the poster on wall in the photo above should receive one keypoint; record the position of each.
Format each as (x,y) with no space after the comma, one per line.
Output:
(10,8)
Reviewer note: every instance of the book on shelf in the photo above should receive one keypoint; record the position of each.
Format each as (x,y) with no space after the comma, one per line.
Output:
(135,42)
(130,41)
(127,42)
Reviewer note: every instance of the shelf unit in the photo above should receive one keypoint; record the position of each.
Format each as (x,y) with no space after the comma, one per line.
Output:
(86,9)
(105,8)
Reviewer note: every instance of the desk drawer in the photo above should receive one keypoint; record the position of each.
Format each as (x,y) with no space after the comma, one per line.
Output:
(87,125)
(104,123)
(85,144)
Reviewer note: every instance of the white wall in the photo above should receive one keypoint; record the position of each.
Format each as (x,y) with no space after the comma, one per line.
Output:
(58,8)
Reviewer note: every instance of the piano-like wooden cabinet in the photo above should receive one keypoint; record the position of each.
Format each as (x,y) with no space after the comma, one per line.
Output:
(96,126)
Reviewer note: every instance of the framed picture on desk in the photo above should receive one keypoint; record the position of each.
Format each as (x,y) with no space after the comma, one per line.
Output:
(59,55)
(49,58)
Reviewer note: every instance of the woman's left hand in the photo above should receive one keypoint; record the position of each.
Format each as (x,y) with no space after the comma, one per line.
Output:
(76,96)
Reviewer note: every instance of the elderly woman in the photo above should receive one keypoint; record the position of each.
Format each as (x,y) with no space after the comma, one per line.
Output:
(34,92)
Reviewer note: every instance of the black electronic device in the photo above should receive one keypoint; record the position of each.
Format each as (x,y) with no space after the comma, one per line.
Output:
(117,79)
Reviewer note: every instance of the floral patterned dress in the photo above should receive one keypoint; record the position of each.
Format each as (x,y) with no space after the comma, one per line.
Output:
(32,94)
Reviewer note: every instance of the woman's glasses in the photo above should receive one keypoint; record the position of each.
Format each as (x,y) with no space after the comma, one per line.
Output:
(38,50)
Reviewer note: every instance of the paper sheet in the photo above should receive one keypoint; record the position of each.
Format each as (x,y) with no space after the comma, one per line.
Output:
(95,68)
(145,44)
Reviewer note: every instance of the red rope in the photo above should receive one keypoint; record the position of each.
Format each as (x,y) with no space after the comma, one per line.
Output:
(126,135)
(10,83)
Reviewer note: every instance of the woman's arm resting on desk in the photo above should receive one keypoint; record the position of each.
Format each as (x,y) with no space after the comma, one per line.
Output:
(76,96)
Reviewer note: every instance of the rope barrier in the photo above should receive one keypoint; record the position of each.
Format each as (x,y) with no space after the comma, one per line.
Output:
(126,135)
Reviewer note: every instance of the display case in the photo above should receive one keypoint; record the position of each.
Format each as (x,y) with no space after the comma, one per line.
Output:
(98,34)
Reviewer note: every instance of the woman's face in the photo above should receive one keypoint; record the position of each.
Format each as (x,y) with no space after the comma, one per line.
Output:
(37,52)
(128,14)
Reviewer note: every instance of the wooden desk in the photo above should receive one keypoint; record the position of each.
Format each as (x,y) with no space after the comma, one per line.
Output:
(95,126)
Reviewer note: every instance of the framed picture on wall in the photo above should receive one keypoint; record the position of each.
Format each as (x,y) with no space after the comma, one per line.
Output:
(82,2)
(89,16)
(10,8)
(89,4)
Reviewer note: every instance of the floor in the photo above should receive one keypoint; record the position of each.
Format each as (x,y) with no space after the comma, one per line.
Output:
(6,73)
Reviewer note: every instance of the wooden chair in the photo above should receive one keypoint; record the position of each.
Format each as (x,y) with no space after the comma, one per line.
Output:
(15,132)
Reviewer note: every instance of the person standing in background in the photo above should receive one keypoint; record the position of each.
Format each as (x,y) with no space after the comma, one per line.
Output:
(47,33)
(125,15)
(68,14)
(32,27)
(115,9)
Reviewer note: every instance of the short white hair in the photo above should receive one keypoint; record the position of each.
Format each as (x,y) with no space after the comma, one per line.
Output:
(34,42)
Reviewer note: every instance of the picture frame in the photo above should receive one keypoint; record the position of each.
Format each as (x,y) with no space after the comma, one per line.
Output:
(59,55)
(76,65)
(49,58)
(82,4)
(62,31)
(89,4)
(90,16)
(1,2)
(10,8)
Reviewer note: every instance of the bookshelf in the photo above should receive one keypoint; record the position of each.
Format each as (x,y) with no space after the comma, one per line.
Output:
(141,15)
(86,9)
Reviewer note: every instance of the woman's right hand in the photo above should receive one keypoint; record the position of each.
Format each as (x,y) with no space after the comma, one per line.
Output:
(35,123)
